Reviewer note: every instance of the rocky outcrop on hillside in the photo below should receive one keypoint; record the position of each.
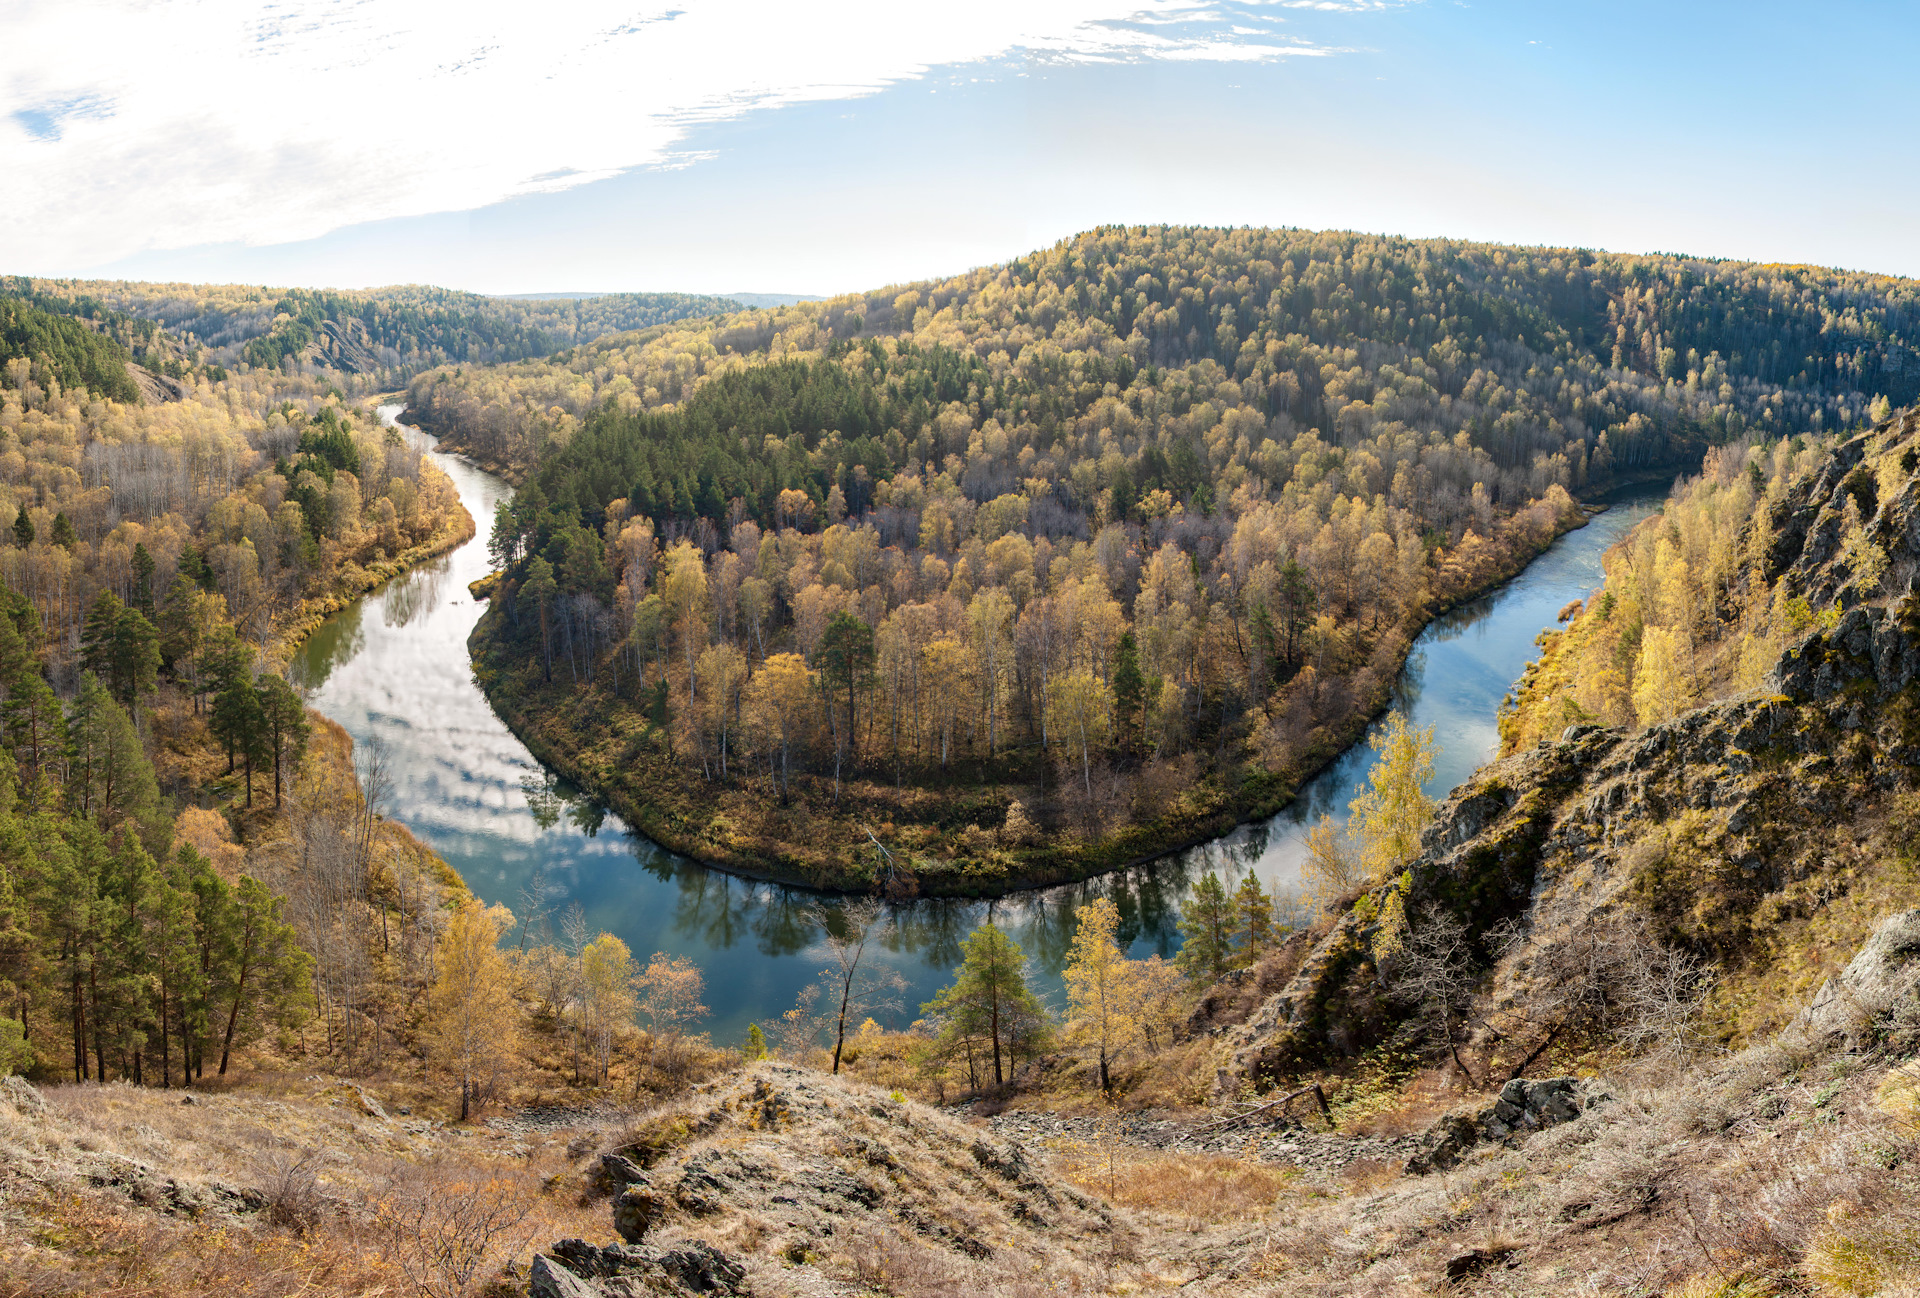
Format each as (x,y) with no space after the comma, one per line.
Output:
(783,1162)
(1696,835)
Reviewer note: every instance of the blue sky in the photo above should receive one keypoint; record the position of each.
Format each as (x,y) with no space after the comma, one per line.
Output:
(716,146)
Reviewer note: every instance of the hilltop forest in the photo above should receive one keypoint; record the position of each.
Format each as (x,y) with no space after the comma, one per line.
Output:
(1056,564)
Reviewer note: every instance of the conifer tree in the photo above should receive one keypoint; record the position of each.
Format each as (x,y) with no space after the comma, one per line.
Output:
(1253,909)
(1129,694)
(1206,929)
(261,972)
(541,588)
(283,718)
(989,999)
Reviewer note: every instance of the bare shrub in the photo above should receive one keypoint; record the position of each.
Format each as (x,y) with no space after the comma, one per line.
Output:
(447,1228)
(290,1181)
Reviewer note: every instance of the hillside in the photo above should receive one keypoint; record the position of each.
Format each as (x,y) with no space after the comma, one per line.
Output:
(1026,574)
(1782,1170)
(385,334)
(1740,845)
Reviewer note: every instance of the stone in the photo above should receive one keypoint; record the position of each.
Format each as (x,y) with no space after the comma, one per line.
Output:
(21,1094)
(703,1268)
(1523,1107)
(635,1209)
(1885,969)
(618,1170)
(549,1280)
(1465,1266)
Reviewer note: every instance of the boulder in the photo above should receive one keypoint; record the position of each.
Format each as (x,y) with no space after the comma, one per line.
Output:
(549,1280)
(1885,970)
(1524,1106)
(21,1094)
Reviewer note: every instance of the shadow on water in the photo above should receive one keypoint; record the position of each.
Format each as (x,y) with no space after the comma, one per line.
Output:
(466,786)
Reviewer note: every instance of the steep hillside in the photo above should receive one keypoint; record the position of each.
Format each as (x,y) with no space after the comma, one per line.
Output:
(1738,851)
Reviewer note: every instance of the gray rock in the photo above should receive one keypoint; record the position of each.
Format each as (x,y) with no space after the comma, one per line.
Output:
(1523,1107)
(695,1266)
(550,1280)
(1886,970)
(21,1094)
(703,1268)
(617,1170)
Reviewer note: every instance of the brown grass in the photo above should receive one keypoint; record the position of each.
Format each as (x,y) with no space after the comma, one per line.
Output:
(1184,1191)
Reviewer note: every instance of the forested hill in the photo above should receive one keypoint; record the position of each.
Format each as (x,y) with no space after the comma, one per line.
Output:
(389,333)
(1557,364)
(1138,527)
(69,351)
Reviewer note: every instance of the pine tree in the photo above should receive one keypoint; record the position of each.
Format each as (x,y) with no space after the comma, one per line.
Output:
(286,729)
(239,723)
(1253,909)
(261,972)
(108,774)
(1129,694)
(989,998)
(22,529)
(1206,927)
(143,567)
(37,734)
(119,645)
(541,588)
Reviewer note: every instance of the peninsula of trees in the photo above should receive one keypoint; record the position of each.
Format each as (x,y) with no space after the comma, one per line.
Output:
(1020,575)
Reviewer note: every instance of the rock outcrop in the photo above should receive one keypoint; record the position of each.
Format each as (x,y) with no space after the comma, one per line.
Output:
(1704,828)
(805,1164)
(1523,1108)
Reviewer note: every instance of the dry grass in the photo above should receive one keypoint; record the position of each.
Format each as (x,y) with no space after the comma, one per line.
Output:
(113,1190)
(1183,1191)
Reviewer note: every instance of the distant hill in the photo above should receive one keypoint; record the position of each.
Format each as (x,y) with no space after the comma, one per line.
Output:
(774,299)
(744,299)
(392,332)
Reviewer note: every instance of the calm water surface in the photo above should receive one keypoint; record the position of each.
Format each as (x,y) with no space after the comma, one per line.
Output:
(394,666)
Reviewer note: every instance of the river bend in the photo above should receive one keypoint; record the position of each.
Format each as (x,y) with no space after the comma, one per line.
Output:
(394,666)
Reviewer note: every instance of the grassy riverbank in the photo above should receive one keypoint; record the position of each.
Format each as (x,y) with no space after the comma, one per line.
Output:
(981,828)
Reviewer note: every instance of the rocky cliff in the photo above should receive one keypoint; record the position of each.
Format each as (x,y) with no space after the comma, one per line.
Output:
(1752,842)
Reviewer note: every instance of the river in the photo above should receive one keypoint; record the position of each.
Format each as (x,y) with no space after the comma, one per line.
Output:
(393,668)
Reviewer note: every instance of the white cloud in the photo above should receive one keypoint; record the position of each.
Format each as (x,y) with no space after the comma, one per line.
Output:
(130,125)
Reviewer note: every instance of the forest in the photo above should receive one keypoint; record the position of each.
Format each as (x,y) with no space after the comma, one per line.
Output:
(386,335)
(1030,572)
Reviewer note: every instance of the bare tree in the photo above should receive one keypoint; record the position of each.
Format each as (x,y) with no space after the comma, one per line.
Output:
(1435,970)
(855,988)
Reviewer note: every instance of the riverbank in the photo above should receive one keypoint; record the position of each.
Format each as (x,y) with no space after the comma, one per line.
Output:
(355,581)
(957,836)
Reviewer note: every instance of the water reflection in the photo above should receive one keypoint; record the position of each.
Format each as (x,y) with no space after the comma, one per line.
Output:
(515,832)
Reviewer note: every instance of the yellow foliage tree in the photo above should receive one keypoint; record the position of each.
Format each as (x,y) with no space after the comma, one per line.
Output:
(1388,818)
(669,1001)
(1331,870)
(606,995)
(1662,686)
(473,1020)
(1113,1002)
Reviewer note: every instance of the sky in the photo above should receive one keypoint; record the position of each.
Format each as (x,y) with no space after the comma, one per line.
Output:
(822,146)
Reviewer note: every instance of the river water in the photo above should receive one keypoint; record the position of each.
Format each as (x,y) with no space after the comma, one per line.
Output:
(393,668)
